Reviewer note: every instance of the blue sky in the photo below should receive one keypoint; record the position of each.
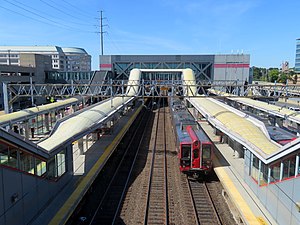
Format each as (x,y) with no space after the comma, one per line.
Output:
(265,29)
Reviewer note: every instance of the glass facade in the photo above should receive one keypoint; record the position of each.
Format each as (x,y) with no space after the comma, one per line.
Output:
(280,170)
(17,158)
(297,62)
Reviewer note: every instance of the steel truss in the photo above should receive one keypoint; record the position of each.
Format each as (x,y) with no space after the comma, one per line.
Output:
(150,88)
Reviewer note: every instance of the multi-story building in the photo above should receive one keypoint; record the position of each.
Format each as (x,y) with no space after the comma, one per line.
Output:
(297,61)
(63,59)
(32,68)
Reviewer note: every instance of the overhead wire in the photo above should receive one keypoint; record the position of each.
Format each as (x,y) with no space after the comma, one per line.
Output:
(75,7)
(45,19)
(84,24)
(58,9)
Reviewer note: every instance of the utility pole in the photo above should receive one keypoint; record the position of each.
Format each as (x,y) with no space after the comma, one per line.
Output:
(101,31)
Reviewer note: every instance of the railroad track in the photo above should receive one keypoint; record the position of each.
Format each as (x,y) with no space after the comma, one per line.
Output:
(204,207)
(157,211)
(108,208)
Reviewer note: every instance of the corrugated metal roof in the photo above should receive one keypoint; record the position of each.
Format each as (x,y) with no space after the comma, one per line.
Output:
(17,116)
(236,124)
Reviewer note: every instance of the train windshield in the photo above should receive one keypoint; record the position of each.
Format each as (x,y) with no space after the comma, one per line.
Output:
(206,151)
(186,151)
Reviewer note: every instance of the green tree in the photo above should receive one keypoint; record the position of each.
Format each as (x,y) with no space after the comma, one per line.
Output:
(273,74)
(283,78)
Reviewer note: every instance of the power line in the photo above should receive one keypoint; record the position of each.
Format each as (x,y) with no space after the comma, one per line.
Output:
(84,24)
(75,7)
(53,23)
(58,9)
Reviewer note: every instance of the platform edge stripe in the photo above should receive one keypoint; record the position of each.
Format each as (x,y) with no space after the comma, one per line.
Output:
(237,198)
(70,205)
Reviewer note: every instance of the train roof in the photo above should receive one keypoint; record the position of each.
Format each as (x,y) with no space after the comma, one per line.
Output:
(183,117)
(183,135)
(202,135)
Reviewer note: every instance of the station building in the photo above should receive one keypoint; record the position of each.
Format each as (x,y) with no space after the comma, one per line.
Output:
(207,68)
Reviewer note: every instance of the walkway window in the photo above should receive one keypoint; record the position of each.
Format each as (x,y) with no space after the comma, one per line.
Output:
(40,167)
(57,165)
(275,172)
(17,158)
(289,167)
(8,155)
(27,162)
(61,163)
(264,174)
(255,167)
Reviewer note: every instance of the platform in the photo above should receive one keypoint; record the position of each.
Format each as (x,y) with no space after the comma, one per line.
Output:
(62,207)
(230,171)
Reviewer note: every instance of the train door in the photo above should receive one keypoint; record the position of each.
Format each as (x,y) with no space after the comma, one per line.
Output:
(196,155)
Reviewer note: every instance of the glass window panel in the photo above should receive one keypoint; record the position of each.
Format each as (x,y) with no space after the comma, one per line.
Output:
(13,157)
(264,174)
(40,167)
(289,167)
(27,162)
(3,153)
(206,152)
(185,151)
(275,172)
(60,162)
(51,168)
(254,168)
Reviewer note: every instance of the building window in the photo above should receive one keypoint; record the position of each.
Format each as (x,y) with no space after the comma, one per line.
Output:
(255,168)
(264,174)
(289,167)
(27,162)
(57,166)
(61,163)
(16,158)
(40,167)
(275,172)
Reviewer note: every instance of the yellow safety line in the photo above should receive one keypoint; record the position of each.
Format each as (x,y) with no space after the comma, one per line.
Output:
(69,206)
(237,198)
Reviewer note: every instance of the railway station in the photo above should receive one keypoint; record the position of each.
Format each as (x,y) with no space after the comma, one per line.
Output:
(57,158)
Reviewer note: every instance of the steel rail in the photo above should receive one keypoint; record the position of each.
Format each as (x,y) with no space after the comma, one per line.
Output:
(115,174)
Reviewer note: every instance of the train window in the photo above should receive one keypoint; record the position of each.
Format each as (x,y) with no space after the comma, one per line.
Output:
(206,153)
(289,167)
(185,151)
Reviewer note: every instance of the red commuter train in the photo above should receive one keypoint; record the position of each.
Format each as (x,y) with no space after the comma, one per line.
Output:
(195,150)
